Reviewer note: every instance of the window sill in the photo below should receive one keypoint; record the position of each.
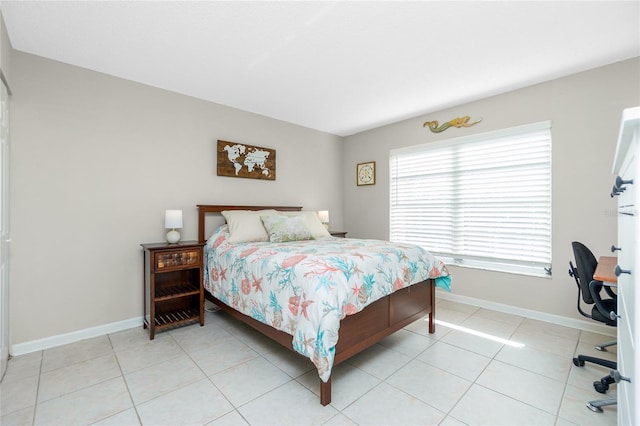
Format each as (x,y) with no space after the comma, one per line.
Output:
(530,271)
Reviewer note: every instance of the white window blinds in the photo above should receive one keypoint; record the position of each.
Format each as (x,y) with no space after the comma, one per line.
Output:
(480,201)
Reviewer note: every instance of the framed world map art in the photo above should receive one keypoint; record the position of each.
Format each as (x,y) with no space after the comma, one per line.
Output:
(366,173)
(246,161)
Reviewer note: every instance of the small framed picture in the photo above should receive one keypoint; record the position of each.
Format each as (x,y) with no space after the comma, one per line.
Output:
(366,173)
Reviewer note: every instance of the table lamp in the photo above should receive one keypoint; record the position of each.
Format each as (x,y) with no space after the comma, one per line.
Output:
(173,221)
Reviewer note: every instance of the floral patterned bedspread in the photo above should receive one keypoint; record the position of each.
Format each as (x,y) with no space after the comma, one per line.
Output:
(305,288)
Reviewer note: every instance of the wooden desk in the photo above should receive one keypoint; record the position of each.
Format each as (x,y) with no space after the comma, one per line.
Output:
(604,270)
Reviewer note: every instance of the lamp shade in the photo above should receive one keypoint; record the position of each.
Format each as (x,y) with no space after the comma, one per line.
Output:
(324,216)
(173,219)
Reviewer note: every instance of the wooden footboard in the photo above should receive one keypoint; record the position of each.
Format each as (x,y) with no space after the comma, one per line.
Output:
(364,329)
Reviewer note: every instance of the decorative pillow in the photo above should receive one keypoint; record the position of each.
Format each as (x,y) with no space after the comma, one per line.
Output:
(245,225)
(313,223)
(282,229)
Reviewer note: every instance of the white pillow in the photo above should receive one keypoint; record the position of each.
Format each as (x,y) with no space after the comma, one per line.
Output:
(245,225)
(313,223)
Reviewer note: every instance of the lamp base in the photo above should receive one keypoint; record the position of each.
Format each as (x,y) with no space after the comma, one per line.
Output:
(173,236)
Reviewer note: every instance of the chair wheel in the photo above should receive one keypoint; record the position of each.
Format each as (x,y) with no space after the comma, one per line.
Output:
(578,362)
(600,387)
(594,408)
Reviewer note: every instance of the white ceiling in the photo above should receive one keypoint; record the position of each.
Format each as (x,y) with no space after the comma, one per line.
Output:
(339,67)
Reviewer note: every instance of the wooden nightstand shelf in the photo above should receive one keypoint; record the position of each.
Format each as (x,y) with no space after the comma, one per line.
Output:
(341,234)
(173,291)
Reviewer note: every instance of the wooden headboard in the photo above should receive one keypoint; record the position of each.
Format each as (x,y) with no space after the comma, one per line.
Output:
(204,209)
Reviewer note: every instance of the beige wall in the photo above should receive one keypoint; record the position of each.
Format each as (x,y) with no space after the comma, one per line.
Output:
(585,110)
(95,162)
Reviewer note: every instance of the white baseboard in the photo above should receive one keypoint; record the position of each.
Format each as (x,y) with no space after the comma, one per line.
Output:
(591,326)
(74,336)
(87,333)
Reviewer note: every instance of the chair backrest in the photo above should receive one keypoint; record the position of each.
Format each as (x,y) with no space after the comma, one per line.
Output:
(586,264)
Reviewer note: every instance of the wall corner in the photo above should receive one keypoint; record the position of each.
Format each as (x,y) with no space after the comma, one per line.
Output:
(5,53)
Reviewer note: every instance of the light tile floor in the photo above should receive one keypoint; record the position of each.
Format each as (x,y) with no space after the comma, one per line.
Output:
(226,374)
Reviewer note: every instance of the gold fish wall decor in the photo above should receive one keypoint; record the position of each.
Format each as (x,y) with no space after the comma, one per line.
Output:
(456,122)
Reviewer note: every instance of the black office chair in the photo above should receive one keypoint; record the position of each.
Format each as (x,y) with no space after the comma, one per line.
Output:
(590,289)
(604,310)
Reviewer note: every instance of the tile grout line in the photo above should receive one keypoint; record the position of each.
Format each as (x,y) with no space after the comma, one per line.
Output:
(235,408)
(566,382)
(35,403)
(209,379)
(126,384)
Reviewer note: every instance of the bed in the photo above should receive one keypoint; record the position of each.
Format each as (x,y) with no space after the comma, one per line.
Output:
(320,296)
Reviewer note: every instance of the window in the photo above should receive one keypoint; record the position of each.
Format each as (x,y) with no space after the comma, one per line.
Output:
(482,201)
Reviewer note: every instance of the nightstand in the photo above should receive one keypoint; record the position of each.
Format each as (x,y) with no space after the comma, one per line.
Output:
(340,234)
(173,290)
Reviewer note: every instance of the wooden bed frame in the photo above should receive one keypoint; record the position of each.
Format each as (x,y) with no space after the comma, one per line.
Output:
(357,332)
